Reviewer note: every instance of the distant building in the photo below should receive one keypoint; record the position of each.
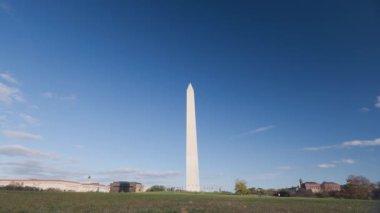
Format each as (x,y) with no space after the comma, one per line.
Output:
(125,186)
(61,185)
(316,187)
(330,186)
(312,186)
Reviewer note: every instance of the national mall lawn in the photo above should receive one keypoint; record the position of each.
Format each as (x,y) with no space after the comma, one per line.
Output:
(19,201)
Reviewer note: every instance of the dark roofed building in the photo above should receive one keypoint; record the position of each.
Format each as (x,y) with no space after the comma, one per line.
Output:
(125,186)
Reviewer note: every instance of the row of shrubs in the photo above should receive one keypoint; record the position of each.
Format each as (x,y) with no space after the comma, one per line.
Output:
(348,191)
(26,188)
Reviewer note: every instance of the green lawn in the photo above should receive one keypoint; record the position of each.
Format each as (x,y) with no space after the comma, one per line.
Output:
(12,201)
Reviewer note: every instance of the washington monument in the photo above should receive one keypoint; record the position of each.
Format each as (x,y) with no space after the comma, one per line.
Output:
(192,169)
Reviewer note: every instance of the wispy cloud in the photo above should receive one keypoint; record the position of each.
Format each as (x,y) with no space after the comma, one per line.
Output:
(78,146)
(333,164)
(18,150)
(262,129)
(9,78)
(319,148)
(8,95)
(347,144)
(3,120)
(348,161)
(38,169)
(377,104)
(284,168)
(267,176)
(69,98)
(163,174)
(48,95)
(29,119)
(52,95)
(256,130)
(21,135)
(344,161)
(361,143)
(33,106)
(364,109)
(326,165)
(5,7)
(136,174)
(123,171)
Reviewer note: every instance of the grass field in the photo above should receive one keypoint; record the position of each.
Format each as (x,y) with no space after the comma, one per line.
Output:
(15,201)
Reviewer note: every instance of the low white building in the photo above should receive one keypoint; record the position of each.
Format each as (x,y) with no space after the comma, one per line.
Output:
(62,185)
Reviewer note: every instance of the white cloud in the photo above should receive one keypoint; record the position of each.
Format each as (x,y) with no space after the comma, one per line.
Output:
(164,174)
(79,146)
(3,120)
(5,7)
(29,119)
(364,109)
(257,130)
(319,148)
(135,174)
(284,168)
(18,150)
(377,104)
(34,168)
(348,161)
(326,165)
(347,144)
(361,143)
(333,164)
(262,129)
(49,95)
(52,95)
(38,169)
(9,78)
(20,135)
(8,95)
(123,171)
(33,106)
(267,176)
(69,98)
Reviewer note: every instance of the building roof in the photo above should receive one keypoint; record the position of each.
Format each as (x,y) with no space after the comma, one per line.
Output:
(125,182)
(40,180)
(311,183)
(325,182)
(48,180)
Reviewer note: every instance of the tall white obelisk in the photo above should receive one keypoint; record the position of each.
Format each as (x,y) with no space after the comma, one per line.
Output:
(192,169)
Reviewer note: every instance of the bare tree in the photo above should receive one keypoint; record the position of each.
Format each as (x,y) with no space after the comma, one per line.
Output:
(357,187)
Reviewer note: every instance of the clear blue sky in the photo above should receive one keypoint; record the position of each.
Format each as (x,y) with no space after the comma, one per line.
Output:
(284,90)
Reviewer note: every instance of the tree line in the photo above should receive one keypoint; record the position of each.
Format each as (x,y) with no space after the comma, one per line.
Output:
(356,187)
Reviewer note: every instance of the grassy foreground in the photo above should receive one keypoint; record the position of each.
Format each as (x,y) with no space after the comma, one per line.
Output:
(15,201)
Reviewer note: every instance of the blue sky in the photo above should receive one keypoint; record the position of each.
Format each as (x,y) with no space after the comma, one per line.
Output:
(284,90)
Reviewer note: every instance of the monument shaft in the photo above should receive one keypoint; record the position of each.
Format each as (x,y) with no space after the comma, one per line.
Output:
(192,169)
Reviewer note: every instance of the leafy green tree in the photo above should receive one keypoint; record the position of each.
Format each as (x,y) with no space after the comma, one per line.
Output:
(241,187)
(156,188)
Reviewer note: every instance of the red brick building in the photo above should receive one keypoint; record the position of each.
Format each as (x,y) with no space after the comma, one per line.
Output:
(312,186)
(316,187)
(330,186)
